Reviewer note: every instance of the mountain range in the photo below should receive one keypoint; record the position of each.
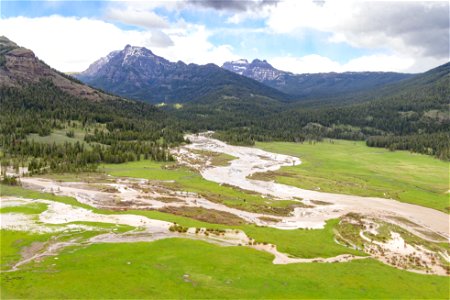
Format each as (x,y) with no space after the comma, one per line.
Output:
(312,85)
(137,73)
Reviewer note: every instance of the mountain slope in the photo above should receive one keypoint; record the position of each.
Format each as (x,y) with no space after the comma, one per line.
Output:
(312,85)
(49,121)
(137,73)
(416,105)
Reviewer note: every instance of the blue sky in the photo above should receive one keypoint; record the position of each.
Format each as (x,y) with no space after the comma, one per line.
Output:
(297,36)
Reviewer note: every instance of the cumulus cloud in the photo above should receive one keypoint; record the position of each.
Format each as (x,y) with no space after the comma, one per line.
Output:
(306,64)
(320,64)
(291,16)
(416,28)
(139,17)
(193,46)
(68,44)
(160,39)
(420,27)
(71,44)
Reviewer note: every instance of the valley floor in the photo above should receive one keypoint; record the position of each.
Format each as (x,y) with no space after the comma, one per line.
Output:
(207,226)
(350,167)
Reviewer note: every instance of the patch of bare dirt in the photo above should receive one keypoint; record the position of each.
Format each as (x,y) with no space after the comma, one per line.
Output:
(206,215)
(31,250)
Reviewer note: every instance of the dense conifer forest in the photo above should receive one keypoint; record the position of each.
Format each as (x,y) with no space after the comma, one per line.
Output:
(114,130)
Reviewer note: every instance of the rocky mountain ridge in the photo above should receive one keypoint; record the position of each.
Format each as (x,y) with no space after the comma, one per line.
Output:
(312,85)
(138,73)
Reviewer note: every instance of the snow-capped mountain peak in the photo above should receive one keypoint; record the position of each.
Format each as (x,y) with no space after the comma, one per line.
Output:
(261,64)
(238,66)
(140,58)
(258,69)
(134,51)
(95,66)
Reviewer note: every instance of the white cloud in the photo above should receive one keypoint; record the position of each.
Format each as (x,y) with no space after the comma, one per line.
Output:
(416,28)
(192,46)
(412,43)
(139,17)
(319,64)
(71,44)
(414,32)
(380,62)
(307,64)
(262,12)
(68,44)
(290,16)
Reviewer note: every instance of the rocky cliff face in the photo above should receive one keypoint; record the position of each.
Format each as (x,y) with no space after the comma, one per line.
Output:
(129,65)
(259,70)
(311,85)
(19,66)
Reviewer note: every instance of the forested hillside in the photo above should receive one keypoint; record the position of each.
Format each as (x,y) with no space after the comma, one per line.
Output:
(45,124)
(411,115)
(116,131)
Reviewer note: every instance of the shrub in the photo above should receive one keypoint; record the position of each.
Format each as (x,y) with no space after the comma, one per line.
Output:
(10,180)
(70,134)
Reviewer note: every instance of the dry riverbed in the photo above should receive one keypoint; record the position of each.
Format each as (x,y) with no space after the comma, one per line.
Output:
(252,160)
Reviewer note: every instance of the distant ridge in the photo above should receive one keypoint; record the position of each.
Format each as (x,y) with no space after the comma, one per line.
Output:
(138,73)
(312,85)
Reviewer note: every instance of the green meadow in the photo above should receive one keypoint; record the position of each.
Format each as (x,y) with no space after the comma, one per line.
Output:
(353,168)
(182,268)
(179,268)
(59,136)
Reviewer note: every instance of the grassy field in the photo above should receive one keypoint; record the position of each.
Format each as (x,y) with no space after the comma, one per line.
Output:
(353,168)
(59,136)
(178,268)
(12,243)
(27,209)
